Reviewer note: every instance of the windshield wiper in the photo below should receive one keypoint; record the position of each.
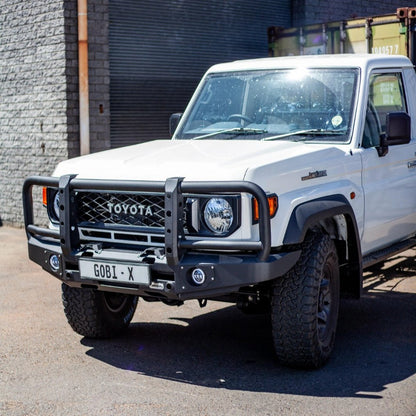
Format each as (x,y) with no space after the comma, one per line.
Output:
(235,131)
(312,132)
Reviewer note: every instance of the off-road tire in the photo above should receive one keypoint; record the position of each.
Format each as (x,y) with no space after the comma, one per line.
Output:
(95,314)
(305,304)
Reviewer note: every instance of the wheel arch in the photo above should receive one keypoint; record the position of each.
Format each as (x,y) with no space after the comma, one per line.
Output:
(333,215)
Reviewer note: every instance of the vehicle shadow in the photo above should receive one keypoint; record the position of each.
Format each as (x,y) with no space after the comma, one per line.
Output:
(376,346)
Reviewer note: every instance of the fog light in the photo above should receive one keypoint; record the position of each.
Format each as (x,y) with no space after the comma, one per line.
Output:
(198,276)
(54,262)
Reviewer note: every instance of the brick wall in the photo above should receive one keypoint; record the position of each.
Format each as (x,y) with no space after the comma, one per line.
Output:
(33,105)
(39,92)
(305,12)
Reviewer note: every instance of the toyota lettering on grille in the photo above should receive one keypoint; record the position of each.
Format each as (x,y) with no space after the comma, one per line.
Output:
(141,210)
(129,209)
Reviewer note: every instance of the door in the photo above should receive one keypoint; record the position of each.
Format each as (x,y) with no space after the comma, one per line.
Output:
(389,182)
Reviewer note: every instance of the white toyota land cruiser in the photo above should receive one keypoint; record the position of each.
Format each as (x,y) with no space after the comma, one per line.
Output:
(285,177)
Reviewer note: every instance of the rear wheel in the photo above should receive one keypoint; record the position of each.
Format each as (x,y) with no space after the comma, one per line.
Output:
(96,314)
(305,305)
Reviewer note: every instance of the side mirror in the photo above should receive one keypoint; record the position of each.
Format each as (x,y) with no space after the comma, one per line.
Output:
(397,131)
(173,122)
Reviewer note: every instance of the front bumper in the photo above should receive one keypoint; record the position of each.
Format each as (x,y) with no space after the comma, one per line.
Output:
(227,265)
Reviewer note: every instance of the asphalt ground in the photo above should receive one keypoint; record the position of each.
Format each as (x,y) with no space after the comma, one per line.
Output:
(192,361)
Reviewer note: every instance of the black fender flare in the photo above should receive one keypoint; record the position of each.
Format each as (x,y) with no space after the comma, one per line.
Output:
(309,214)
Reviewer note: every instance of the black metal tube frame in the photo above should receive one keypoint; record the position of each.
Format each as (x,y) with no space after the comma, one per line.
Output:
(173,188)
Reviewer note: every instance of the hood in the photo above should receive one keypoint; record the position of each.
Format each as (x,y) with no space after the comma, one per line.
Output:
(193,160)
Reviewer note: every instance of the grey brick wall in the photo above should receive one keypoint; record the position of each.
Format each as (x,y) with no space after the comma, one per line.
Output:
(33,105)
(39,92)
(305,12)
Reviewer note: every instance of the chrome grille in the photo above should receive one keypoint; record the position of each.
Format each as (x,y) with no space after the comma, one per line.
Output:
(144,210)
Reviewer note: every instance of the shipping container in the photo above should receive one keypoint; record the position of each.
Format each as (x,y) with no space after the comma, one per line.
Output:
(393,34)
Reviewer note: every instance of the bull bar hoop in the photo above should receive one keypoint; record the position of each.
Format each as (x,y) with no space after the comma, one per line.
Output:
(173,188)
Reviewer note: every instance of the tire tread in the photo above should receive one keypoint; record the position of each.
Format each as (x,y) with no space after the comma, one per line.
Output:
(86,313)
(294,306)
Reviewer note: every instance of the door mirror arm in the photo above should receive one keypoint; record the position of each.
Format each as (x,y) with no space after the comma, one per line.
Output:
(383,149)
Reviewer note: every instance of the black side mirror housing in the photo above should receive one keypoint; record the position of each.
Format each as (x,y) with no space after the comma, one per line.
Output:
(398,126)
(173,122)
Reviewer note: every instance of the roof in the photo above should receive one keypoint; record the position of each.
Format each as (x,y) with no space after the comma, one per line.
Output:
(316,61)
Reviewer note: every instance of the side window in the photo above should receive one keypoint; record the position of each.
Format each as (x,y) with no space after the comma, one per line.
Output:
(386,95)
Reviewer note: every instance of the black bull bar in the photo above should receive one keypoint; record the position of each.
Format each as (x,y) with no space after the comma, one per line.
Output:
(173,189)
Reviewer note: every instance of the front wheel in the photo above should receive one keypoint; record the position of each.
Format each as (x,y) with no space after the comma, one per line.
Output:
(95,314)
(305,305)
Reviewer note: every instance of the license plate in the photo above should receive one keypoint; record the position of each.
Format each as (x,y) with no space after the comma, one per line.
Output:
(114,272)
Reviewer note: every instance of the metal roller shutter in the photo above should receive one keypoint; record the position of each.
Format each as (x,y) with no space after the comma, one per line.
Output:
(160,49)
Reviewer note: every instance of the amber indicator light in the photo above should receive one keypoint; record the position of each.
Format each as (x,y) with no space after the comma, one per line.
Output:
(45,196)
(273,205)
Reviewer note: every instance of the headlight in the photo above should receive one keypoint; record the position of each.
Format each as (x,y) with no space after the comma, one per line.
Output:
(56,205)
(51,203)
(218,215)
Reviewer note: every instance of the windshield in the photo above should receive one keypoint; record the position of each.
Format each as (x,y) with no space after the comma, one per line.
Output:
(298,104)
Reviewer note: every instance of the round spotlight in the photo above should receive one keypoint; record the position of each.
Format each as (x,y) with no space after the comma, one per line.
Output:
(198,276)
(54,262)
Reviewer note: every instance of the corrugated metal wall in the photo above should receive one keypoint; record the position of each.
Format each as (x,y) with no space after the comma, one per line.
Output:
(160,49)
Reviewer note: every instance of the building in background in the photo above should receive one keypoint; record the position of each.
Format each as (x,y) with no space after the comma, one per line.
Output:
(145,59)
